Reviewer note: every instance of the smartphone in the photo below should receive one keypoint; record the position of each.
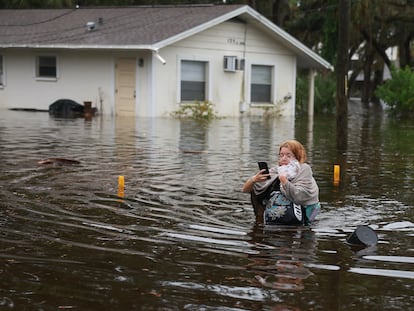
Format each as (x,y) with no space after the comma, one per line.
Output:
(263,165)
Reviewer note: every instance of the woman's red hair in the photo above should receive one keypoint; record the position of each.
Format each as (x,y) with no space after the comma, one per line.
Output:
(297,149)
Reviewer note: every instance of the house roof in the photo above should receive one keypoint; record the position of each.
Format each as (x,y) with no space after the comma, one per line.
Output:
(137,27)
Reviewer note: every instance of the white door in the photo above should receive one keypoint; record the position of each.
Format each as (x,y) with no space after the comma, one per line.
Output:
(125,82)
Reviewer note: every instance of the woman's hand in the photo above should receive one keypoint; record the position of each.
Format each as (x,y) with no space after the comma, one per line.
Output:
(259,177)
(283,179)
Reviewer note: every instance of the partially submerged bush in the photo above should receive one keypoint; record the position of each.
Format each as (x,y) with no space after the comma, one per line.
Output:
(398,92)
(203,110)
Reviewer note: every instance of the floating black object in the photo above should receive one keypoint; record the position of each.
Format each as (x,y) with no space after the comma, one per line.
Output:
(363,236)
(66,108)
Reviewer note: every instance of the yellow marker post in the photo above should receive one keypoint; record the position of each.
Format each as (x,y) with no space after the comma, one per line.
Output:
(337,174)
(121,186)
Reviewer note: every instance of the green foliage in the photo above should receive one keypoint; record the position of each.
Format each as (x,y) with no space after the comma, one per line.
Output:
(398,92)
(301,93)
(325,92)
(275,111)
(35,4)
(198,111)
(24,4)
(330,36)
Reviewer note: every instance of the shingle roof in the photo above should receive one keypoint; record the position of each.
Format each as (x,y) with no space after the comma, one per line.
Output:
(137,27)
(114,26)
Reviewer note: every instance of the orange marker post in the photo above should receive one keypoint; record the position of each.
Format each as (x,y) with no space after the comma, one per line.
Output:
(121,186)
(337,174)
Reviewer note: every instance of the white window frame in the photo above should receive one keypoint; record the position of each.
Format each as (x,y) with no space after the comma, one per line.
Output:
(37,68)
(208,78)
(272,84)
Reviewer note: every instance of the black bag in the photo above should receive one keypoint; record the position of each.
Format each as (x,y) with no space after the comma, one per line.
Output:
(281,211)
(259,201)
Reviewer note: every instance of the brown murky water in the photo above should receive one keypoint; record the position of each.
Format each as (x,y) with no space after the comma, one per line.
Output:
(183,235)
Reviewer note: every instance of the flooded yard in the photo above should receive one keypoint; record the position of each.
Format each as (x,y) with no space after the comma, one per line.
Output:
(182,235)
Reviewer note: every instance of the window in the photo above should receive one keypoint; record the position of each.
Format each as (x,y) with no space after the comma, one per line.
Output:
(261,85)
(46,67)
(1,71)
(193,80)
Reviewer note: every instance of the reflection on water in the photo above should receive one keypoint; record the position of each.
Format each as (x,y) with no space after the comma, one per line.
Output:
(183,235)
(279,263)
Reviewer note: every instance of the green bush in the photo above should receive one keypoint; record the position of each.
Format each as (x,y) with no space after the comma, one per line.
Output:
(325,90)
(398,92)
(301,93)
(198,111)
(325,93)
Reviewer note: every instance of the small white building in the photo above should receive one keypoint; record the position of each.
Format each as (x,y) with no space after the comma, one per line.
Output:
(147,61)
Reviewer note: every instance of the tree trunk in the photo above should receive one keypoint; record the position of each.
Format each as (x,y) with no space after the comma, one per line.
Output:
(378,79)
(252,3)
(280,11)
(366,88)
(341,75)
(404,50)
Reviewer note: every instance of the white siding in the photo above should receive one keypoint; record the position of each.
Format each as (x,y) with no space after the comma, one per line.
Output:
(81,77)
(89,75)
(227,89)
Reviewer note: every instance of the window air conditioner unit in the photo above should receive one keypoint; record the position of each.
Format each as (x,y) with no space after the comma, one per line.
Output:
(230,63)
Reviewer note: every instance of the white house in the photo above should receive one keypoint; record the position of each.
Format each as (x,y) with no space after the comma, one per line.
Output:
(147,61)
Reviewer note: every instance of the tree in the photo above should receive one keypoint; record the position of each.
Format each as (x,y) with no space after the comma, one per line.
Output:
(376,26)
(341,75)
(398,92)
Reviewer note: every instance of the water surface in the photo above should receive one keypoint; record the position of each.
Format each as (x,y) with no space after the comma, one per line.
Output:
(182,236)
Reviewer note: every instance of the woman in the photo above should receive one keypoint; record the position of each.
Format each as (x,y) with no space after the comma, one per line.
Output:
(290,184)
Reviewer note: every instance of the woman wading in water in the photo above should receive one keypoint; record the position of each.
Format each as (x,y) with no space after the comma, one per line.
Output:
(288,194)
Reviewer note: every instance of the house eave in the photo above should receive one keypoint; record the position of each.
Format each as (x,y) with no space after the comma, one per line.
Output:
(78,47)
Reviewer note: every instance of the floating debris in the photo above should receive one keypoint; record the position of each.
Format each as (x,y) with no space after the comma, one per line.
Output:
(58,161)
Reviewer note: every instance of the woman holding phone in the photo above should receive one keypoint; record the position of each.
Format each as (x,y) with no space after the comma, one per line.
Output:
(288,193)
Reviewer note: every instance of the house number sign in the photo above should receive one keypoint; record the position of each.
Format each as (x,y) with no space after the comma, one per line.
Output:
(235,41)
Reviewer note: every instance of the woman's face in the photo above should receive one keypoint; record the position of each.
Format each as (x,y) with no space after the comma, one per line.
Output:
(285,156)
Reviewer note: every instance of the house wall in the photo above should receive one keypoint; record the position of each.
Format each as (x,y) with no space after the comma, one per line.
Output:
(227,89)
(82,76)
(89,75)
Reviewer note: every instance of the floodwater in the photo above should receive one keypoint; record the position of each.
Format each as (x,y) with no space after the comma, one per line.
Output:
(181,236)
